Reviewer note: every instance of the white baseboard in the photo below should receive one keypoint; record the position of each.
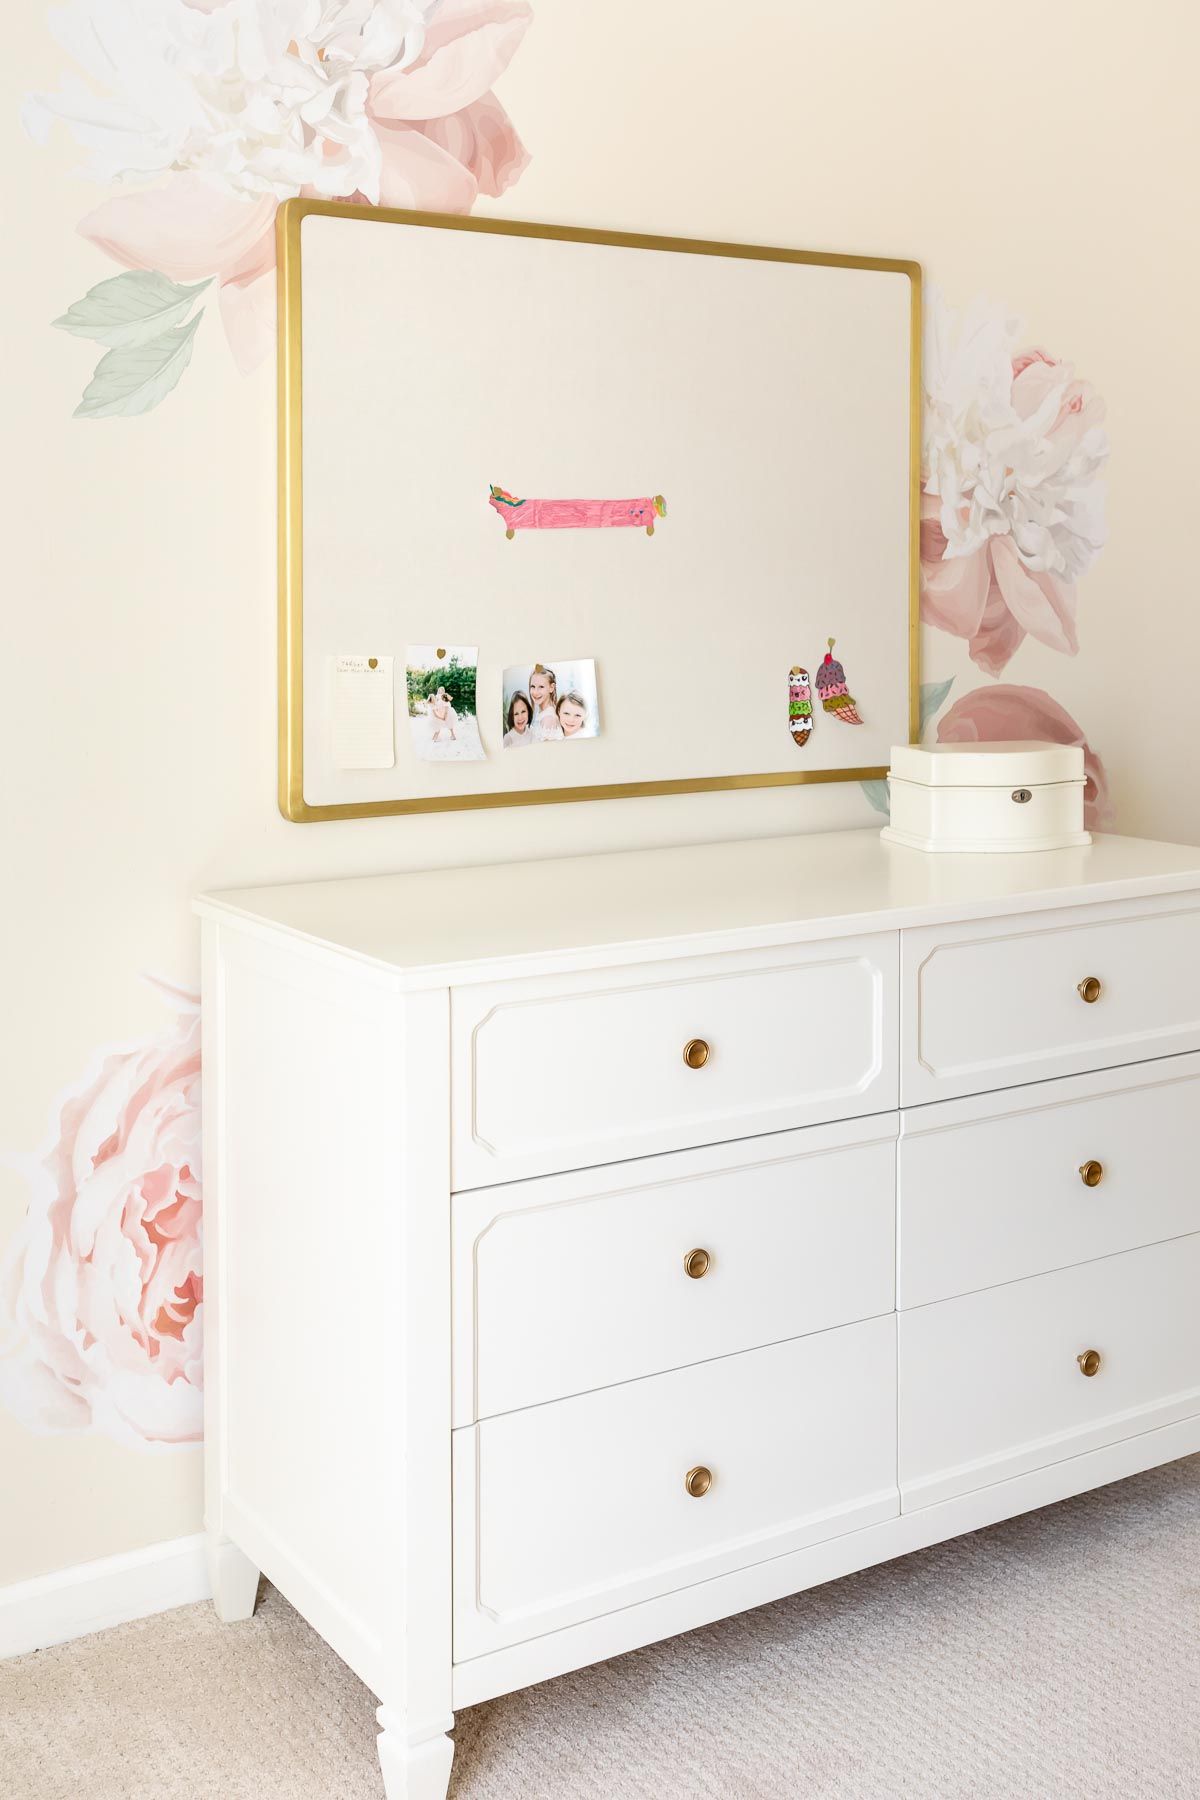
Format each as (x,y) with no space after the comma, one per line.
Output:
(92,1596)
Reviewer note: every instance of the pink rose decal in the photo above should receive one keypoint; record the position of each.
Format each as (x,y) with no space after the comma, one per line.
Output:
(1012,511)
(206,113)
(101,1295)
(1003,715)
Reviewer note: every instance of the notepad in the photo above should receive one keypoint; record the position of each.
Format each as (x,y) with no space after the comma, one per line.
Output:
(361,714)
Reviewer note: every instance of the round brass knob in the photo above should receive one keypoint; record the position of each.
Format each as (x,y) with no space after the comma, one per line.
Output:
(697,1481)
(1089,989)
(1089,1362)
(696,1263)
(1091,1173)
(695,1053)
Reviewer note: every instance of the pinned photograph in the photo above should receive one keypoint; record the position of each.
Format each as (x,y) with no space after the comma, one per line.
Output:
(441,702)
(550,702)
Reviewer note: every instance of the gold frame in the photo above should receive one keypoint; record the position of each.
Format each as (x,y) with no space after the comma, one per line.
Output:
(292,803)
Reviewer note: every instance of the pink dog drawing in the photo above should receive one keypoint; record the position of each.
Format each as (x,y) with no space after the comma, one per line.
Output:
(574,515)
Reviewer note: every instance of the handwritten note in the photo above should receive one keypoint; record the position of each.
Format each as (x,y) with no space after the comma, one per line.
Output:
(361,715)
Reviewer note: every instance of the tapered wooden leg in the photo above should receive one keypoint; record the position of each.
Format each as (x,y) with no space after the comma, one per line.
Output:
(413,1770)
(510,533)
(650,529)
(234,1580)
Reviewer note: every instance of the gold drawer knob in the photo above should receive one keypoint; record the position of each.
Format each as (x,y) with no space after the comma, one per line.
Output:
(696,1263)
(1091,1173)
(1089,989)
(695,1053)
(1089,1362)
(697,1481)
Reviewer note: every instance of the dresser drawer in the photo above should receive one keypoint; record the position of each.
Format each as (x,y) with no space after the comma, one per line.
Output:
(989,1004)
(579,1281)
(991,1386)
(567,1511)
(1001,1186)
(564,1073)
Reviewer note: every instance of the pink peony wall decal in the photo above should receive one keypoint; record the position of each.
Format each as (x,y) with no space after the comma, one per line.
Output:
(102,1288)
(1005,715)
(1012,507)
(207,113)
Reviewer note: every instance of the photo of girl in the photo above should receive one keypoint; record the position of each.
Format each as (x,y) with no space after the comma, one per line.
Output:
(518,721)
(441,702)
(543,691)
(550,702)
(572,715)
(443,719)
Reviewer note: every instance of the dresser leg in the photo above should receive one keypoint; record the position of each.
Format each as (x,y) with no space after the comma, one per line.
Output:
(413,1770)
(234,1580)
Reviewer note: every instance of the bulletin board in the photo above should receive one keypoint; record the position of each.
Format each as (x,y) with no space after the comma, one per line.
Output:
(678,468)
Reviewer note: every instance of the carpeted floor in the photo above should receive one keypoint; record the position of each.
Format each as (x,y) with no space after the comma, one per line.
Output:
(1055,1657)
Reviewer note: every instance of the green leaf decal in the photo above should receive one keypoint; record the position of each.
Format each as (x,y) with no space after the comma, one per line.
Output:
(135,379)
(933,694)
(877,794)
(130,308)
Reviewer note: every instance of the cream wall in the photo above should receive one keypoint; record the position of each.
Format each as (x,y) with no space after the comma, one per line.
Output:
(1042,156)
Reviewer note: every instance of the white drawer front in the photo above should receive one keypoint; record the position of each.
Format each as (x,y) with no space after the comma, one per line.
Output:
(579,1281)
(553,1074)
(993,1189)
(568,1511)
(989,1004)
(990,1385)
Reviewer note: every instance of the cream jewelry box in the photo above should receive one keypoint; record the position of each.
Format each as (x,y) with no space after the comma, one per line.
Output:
(981,797)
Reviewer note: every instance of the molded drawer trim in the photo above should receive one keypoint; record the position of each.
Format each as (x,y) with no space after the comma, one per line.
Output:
(1004,1006)
(569,1283)
(551,1075)
(989,1386)
(571,1510)
(990,1188)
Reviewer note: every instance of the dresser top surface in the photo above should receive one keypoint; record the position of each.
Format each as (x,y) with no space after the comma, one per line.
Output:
(430,924)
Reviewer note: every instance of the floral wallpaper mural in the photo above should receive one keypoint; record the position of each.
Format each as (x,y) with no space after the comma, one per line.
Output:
(206,113)
(1012,515)
(102,1290)
(199,117)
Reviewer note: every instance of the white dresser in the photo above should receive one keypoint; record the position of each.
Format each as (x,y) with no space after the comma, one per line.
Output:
(600,1247)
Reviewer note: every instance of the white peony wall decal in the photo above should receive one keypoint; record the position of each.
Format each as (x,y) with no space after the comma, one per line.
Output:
(1012,507)
(1012,515)
(102,1286)
(207,113)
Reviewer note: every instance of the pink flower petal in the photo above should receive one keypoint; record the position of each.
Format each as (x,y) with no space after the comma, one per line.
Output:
(998,638)
(1040,602)
(259,258)
(468,46)
(1025,358)
(186,229)
(416,172)
(248,313)
(483,138)
(1034,376)
(954,589)
(1004,715)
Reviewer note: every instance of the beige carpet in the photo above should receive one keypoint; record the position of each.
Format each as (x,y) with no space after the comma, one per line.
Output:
(1055,1656)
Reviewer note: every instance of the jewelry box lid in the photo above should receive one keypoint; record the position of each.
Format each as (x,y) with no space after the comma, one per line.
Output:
(1022,764)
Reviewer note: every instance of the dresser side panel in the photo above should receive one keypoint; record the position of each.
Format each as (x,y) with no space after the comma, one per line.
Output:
(332,1289)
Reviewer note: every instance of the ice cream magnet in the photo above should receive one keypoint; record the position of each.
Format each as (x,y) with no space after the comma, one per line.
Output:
(800,712)
(834,694)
